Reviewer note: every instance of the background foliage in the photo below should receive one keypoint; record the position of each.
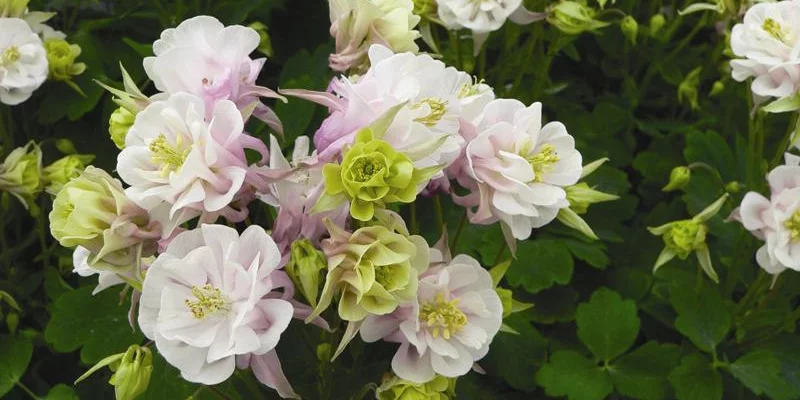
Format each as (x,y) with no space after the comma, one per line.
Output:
(602,326)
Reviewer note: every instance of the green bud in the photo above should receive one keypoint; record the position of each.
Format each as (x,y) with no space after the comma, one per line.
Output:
(630,28)
(678,178)
(573,18)
(12,321)
(61,59)
(13,8)
(65,146)
(716,89)
(733,187)
(425,8)
(20,173)
(394,388)
(132,374)
(580,196)
(119,124)
(62,171)
(656,23)
(324,352)
(305,267)
(687,89)
(265,45)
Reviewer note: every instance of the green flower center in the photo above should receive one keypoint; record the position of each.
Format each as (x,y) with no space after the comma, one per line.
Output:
(209,300)
(10,56)
(543,161)
(438,108)
(443,316)
(774,29)
(793,225)
(364,168)
(169,157)
(387,276)
(470,89)
(684,237)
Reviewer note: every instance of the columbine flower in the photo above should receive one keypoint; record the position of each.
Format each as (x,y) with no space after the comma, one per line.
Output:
(447,328)
(684,237)
(767,43)
(21,173)
(372,174)
(105,278)
(357,24)
(202,57)
(210,302)
(516,168)
(93,212)
(431,97)
(61,59)
(13,8)
(23,61)
(574,18)
(63,170)
(132,370)
(776,220)
(305,267)
(483,16)
(180,163)
(394,388)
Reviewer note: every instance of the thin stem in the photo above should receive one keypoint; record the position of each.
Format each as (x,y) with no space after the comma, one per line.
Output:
(217,393)
(455,41)
(437,208)
(528,51)
(503,247)
(26,390)
(40,219)
(460,228)
(751,291)
(414,221)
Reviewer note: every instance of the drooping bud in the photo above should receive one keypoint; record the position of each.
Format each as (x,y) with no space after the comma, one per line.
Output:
(573,18)
(63,170)
(305,267)
(394,388)
(20,173)
(265,44)
(717,88)
(65,146)
(132,370)
(679,177)
(656,23)
(92,211)
(61,59)
(630,28)
(733,187)
(119,124)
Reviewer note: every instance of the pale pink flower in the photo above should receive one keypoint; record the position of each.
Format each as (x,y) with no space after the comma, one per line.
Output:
(23,61)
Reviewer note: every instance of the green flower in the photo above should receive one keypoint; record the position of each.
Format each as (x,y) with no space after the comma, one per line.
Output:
(119,124)
(394,388)
(372,174)
(92,211)
(679,177)
(62,171)
(61,59)
(574,17)
(304,267)
(684,237)
(372,270)
(132,371)
(21,173)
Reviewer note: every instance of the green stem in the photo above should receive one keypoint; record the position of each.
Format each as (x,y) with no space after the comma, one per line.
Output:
(460,228)
(414,221)
(40,219)
(437,209)
(794,126)
(217,393)
(455,41)
(26,390)
(752,291)
(503,247)
(528,52)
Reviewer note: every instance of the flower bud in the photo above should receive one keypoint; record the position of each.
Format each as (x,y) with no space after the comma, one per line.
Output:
(13,8)
(630,28)
(305,267)
(62,171)
(265,44)
(20,173)
(92,211)
(132,374)
(687,89)
(580,196)
(65,146)
(656,23)
(394,388)
(61,59)
(716,88)
(733,187)
(573,18)
(678,178)
(119,124)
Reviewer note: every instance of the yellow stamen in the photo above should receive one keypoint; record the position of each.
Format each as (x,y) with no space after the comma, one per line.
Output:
(443,316)
(209,301)
(774,29)
(10,55)
(543,161)
(169,157)
(470,89)
(793,225)
(364,168)
(438,108)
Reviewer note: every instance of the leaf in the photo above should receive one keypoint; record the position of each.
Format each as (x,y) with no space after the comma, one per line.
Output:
(504,361)
(97,324)
(695,379)
(702,315)
(593,253)
(571,374)
(540,264)
(607,325)
(16,354)
(642,374)
(760,371)
(557,304)
(61,392)
(710,148)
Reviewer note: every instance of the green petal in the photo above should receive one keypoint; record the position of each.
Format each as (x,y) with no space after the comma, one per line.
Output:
(361,210)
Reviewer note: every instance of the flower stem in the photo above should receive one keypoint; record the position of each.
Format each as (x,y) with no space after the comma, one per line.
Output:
(26,390)
(414,221)
(786,142)
(460,228)
(437,208)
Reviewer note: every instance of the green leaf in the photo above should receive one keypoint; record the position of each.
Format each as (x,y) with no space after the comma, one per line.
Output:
(504,360)
(61,392)
(607,325)
(573,375)
(710,148)
(540,264)
(16,354)
(557,304)
(98,324)
(760,371)
(642,374)
(593,253)
(702,314)
(695,379)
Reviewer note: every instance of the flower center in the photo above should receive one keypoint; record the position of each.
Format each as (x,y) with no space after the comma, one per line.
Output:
(169,157)
(208,301)
(387,276)
(364,168)
(543,161)
(10,56)
(443,316)
(774,29)
(685,236)
(470,89)
(438,108)
(793,225)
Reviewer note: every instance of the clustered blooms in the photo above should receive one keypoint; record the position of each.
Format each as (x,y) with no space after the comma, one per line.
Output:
(30,52)
(213,299)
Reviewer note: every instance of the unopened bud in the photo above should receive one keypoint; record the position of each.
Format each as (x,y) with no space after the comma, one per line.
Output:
(65,146)
(580,196)
(630,28)
(132,374)
(733,187)
(679,177)
(573,18)
(656,23)
(119,124)
(716,89)
(305,267)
